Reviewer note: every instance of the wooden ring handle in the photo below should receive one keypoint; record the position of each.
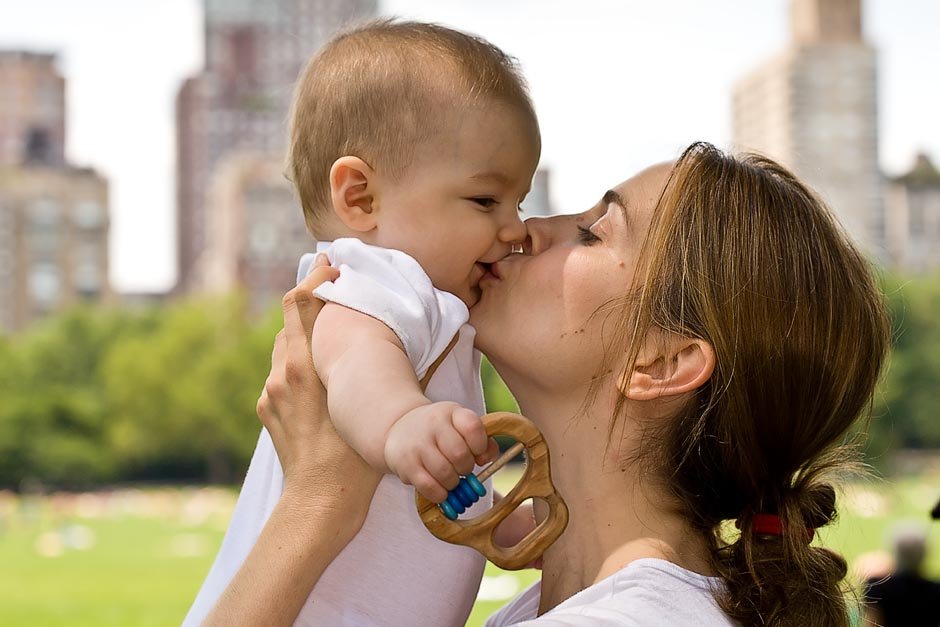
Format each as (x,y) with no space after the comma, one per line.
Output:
(536,482)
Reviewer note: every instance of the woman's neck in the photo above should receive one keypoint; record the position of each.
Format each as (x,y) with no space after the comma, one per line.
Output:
(617,514)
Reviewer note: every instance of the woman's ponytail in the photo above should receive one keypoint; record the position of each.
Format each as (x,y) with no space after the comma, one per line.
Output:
(742,255)
(781,578)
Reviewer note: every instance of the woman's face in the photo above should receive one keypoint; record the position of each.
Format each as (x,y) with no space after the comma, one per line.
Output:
(536,317)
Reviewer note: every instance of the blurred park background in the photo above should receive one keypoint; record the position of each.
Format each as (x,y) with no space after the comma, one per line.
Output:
(147,234)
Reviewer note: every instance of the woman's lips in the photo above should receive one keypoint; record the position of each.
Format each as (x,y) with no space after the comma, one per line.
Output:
(493,272)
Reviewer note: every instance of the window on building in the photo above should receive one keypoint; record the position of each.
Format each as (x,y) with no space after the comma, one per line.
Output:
(88,214)
(44,213)
(88,269)
(263,240)
(49,99)
(44,285)
(38,146)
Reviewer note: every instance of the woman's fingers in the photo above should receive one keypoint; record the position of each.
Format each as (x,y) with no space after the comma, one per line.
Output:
(280,343)
(300,312)
(302,300)
(263,406)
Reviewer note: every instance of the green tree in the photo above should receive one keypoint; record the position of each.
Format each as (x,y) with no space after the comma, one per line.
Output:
(907,408)
(183,397)
(52,418)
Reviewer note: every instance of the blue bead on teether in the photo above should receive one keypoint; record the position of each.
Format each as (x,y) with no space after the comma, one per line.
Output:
(467,492)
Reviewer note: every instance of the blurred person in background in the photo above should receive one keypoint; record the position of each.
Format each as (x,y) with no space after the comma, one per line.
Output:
(905,597)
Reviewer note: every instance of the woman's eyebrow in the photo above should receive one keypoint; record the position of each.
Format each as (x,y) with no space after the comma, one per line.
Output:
(614,197)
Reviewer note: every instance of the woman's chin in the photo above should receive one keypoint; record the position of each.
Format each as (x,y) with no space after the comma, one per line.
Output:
(481,318)
(482,303)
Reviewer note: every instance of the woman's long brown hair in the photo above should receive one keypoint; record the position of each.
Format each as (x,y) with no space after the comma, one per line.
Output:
(743,255)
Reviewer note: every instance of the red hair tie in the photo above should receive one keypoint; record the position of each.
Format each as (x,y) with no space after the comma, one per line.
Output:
(772,525)
(767,524)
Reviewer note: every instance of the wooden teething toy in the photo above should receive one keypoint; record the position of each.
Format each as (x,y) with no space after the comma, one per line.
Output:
(536,482)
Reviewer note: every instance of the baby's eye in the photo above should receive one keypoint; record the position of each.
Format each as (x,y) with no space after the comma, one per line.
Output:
(586,236)
(484,201)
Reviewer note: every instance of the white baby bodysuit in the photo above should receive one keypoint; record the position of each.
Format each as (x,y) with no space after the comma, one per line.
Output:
(394,572)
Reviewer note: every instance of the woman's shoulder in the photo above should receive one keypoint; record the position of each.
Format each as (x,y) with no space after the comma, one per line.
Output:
(645,592)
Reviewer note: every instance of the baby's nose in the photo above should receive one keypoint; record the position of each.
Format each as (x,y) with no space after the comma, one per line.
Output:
(514,231)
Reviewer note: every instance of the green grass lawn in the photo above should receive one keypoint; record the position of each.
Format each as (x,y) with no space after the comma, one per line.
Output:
(137,557)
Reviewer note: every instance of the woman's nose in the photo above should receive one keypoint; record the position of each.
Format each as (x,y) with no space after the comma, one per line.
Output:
(539,235)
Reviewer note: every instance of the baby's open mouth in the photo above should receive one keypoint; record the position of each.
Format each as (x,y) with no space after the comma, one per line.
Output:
(489,270)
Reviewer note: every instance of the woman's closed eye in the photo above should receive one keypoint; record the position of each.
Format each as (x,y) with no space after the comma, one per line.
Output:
(587,236)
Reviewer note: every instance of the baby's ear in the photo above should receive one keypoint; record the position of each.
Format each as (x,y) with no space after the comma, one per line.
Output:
(352,192)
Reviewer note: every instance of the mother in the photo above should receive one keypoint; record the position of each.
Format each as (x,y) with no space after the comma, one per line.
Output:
(694,349)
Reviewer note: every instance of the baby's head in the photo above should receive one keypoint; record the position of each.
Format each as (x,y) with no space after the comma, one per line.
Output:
(416,137)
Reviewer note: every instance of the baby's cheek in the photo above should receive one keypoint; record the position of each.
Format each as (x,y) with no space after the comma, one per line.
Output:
(443,275)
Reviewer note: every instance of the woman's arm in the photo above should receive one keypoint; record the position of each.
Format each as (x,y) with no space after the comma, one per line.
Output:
(326,495)
(278,575)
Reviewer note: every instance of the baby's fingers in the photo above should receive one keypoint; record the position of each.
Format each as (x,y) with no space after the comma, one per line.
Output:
(440,469)
(427,486)
(471,429)
(452,445)
(492,452)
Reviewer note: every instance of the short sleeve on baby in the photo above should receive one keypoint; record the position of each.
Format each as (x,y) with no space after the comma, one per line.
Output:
(393,288)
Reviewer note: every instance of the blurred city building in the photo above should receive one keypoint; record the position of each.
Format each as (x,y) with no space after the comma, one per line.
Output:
(255,50)
(54,220)
(912,217)
(32,108)
(538,202)
(53,241)
(814,108)
(255,237)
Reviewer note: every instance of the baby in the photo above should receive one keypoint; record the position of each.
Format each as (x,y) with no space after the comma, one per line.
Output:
(412,146)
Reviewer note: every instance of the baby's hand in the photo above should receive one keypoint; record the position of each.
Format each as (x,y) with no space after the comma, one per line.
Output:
(430,446)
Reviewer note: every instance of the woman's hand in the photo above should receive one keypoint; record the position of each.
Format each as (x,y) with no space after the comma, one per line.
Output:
(327,486)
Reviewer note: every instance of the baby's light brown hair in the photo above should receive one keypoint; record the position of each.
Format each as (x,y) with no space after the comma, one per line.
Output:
(378,90)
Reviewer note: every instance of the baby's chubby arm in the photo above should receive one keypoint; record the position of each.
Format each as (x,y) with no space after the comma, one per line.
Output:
(377,405)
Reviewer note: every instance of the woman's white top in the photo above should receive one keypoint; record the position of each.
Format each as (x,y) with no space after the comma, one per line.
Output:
(647,592)
(394,572)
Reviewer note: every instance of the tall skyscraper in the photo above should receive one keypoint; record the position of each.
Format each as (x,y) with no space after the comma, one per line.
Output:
(53,216)
(255,50)
(814,108)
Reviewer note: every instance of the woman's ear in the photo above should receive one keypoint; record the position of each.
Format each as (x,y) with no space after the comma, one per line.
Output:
(673,366)
(352,191)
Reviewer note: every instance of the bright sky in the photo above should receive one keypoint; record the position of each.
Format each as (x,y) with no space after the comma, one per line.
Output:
(617,84)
